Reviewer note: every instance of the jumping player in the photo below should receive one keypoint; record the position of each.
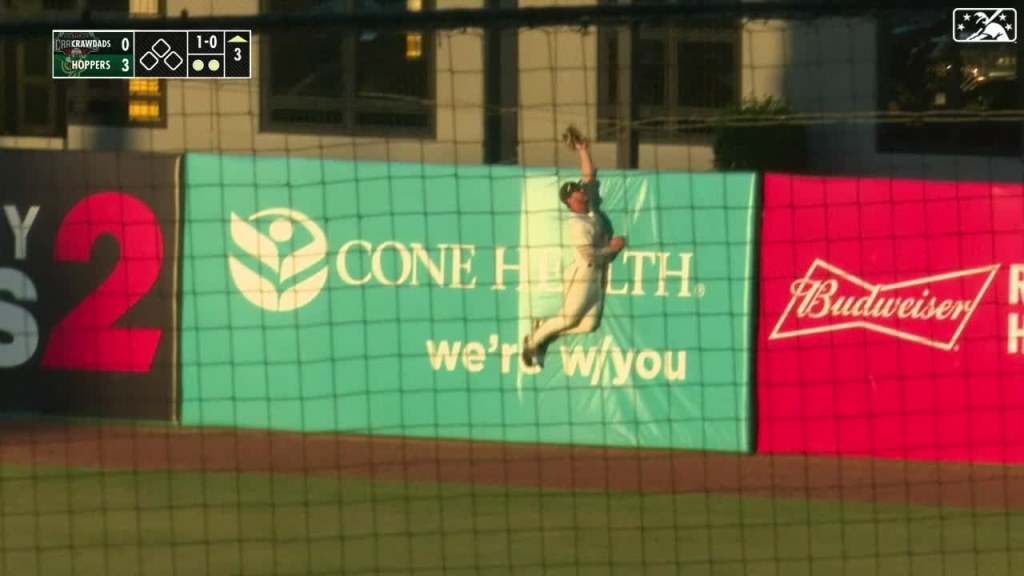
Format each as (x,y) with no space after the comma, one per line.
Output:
(584,279)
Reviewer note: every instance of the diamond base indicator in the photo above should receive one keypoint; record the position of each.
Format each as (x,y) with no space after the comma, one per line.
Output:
(161,54)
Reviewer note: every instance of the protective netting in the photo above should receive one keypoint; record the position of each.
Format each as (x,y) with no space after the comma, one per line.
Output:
(461,288)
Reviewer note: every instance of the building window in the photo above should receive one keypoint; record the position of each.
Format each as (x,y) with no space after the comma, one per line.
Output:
(684,74)
(934,89)
(145,101)
(356,82)
(30,102)
(134,102)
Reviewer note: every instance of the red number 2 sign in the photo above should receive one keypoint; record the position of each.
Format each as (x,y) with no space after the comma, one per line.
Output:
(87,339)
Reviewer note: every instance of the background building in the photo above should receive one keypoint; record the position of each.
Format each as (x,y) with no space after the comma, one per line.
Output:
(479,96)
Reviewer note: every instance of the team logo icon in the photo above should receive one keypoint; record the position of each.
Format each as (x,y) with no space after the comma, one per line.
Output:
(274,281)
(78,44)
(978,25)
(74,46)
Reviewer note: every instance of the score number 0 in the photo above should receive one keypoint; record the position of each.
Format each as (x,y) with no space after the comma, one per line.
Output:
(126,62)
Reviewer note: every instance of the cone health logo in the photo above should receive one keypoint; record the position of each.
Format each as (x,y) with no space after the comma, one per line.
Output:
(281,293)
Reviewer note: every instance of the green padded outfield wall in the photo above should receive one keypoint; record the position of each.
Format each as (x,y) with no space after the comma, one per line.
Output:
(384,298)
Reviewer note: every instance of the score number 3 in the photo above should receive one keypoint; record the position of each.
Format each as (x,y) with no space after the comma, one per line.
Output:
(126,62)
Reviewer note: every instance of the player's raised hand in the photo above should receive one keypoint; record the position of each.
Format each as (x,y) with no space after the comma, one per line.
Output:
(574,139)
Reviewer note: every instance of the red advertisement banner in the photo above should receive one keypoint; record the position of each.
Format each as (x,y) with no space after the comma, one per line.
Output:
(89,284)
(891,319)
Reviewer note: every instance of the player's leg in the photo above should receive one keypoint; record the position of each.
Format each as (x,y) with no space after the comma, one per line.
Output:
(575,304)
(591,319)
(574,307)
(590,322)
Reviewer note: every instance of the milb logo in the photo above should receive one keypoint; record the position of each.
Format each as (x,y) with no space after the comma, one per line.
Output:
(985,25)
(281,293)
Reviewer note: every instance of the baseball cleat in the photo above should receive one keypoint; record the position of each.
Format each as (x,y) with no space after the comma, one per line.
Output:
(528,353)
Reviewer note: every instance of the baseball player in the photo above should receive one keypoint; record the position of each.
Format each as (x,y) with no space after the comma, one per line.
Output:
(584,279)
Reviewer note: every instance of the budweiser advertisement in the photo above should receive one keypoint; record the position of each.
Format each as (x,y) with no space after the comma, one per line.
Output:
(891,319)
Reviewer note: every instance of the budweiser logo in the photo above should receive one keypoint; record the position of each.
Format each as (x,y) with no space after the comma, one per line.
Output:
(932,311)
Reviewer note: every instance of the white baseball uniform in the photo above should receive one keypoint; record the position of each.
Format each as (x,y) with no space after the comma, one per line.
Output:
(583,281)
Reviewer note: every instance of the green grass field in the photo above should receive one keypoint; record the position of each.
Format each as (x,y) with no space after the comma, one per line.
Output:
(59,521)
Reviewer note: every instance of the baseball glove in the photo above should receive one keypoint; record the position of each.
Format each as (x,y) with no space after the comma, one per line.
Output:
(573,137)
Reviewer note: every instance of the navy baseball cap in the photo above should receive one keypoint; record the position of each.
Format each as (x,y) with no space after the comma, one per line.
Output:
(568,188)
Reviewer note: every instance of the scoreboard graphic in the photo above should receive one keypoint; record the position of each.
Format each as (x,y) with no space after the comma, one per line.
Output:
(152,54)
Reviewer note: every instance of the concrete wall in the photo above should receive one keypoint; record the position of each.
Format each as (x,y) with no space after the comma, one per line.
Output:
(760,74)
(558,85)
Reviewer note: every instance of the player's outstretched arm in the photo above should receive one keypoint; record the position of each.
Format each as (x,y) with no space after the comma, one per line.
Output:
(586,163)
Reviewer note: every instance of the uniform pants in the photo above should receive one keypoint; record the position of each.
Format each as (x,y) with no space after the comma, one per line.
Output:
(582,302)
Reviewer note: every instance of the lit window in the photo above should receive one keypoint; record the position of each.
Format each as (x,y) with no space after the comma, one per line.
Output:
(145,7)
(413,46)
(145,94)
(414,40)
(143,111)
(144,87)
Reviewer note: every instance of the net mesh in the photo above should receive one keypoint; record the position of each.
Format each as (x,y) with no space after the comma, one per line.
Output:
(365,312)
